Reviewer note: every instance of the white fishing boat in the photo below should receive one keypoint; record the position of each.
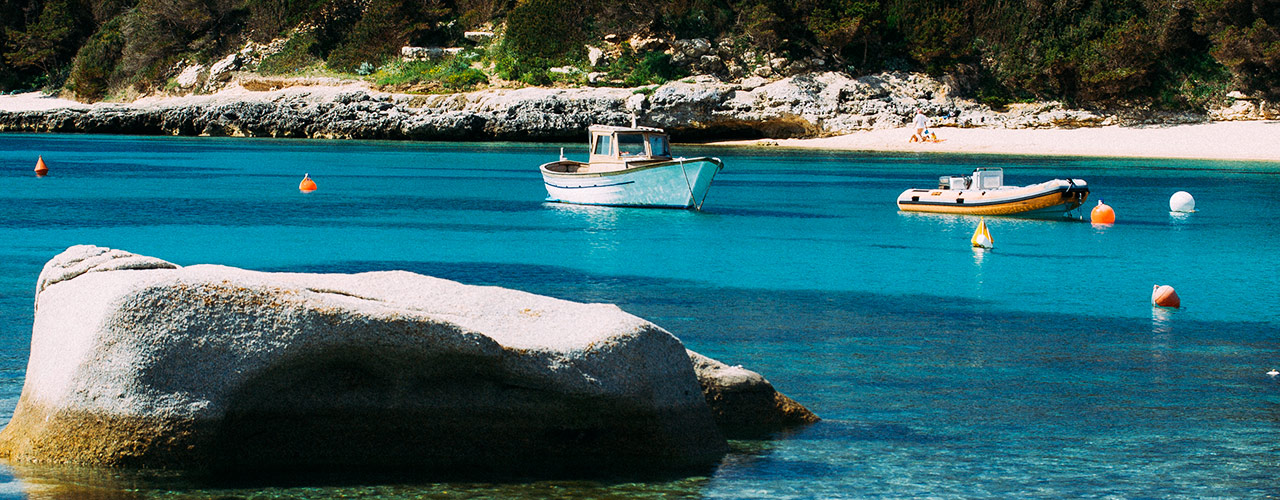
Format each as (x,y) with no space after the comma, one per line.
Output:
(630,166)
(984,193)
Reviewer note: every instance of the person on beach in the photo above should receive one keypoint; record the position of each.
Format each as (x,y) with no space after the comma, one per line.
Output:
(923,134)
(921,123)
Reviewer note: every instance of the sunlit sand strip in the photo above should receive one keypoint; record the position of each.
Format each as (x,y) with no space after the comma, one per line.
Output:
(1253,140)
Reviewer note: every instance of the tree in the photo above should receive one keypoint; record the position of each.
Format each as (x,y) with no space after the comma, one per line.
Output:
(1246,39)
(844,25)
(546,30)
(96,63)
(45,44)
(762,25)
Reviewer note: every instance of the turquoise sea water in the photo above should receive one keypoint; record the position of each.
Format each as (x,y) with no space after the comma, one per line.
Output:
(1036,370)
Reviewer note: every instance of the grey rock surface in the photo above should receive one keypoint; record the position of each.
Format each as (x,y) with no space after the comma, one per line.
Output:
(803,105)
(138,362)
(744,403)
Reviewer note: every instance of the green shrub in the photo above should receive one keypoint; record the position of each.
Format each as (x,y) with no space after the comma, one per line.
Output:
(452,74)
(50,41)
(699,18)
(295,56)
(505,65)
(473,13)
(535,76)
(1196,82)
(547,31)
(268,19)
(848,27)
(376,37)
(95,65)
(387,25)
(643,69)
(762,25)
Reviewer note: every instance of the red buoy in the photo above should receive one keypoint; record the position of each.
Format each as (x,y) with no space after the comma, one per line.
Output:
(307,185)
(1165,296)
(1102,214)
(41,169)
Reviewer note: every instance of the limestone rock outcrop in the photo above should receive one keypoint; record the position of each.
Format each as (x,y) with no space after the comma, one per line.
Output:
(803,105)
(139,362)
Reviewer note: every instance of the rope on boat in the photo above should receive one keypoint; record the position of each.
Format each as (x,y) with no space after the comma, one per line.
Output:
(687,184)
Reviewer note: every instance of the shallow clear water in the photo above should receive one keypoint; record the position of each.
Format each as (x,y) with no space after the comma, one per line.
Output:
(1037,370)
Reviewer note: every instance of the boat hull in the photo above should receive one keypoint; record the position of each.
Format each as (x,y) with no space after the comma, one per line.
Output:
(1052,198)
(678,183)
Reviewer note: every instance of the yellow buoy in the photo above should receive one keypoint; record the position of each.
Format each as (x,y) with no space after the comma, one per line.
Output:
(307,185)
(1102,214)
(41,168)
(982,237)
(1165,296)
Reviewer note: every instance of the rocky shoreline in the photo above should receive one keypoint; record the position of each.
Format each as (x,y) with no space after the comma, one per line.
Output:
(700,108)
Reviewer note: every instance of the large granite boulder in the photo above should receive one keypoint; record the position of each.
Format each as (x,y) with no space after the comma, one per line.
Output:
(138,362)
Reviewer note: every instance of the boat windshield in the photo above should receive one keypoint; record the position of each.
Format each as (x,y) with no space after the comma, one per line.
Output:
(658,145)
(630,145)
(602,145)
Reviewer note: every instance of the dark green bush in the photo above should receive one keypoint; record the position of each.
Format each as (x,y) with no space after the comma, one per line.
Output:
(1245,38)
(546,32)
(376,37)
(269,19)
(849,27)
(763,26)
(387,25)
(643,69)
(50,42)
(451,74)
(473,13)
(698,18)
(296,55)
(95,66)
(535,76)
(654,67)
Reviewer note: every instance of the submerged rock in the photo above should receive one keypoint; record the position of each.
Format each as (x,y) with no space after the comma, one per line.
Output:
(138,362)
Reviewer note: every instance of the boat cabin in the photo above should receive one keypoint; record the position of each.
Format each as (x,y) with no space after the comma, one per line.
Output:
(983,178)
(622,145)
(618,148)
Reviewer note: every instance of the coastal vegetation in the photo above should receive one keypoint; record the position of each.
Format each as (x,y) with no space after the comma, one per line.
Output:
(1167,55)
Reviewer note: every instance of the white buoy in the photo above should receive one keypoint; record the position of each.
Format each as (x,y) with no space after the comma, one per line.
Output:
(1182,201)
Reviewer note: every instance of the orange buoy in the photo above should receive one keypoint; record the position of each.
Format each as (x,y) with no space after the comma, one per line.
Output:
(1102,214)
(307,185)
(1165,296)
(41,168)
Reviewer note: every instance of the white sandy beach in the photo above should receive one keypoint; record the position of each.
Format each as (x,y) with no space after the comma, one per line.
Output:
(1237,140)
(36,101)
(1243,140)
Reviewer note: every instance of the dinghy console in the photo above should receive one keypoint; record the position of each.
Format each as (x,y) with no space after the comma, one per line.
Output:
(982,178)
